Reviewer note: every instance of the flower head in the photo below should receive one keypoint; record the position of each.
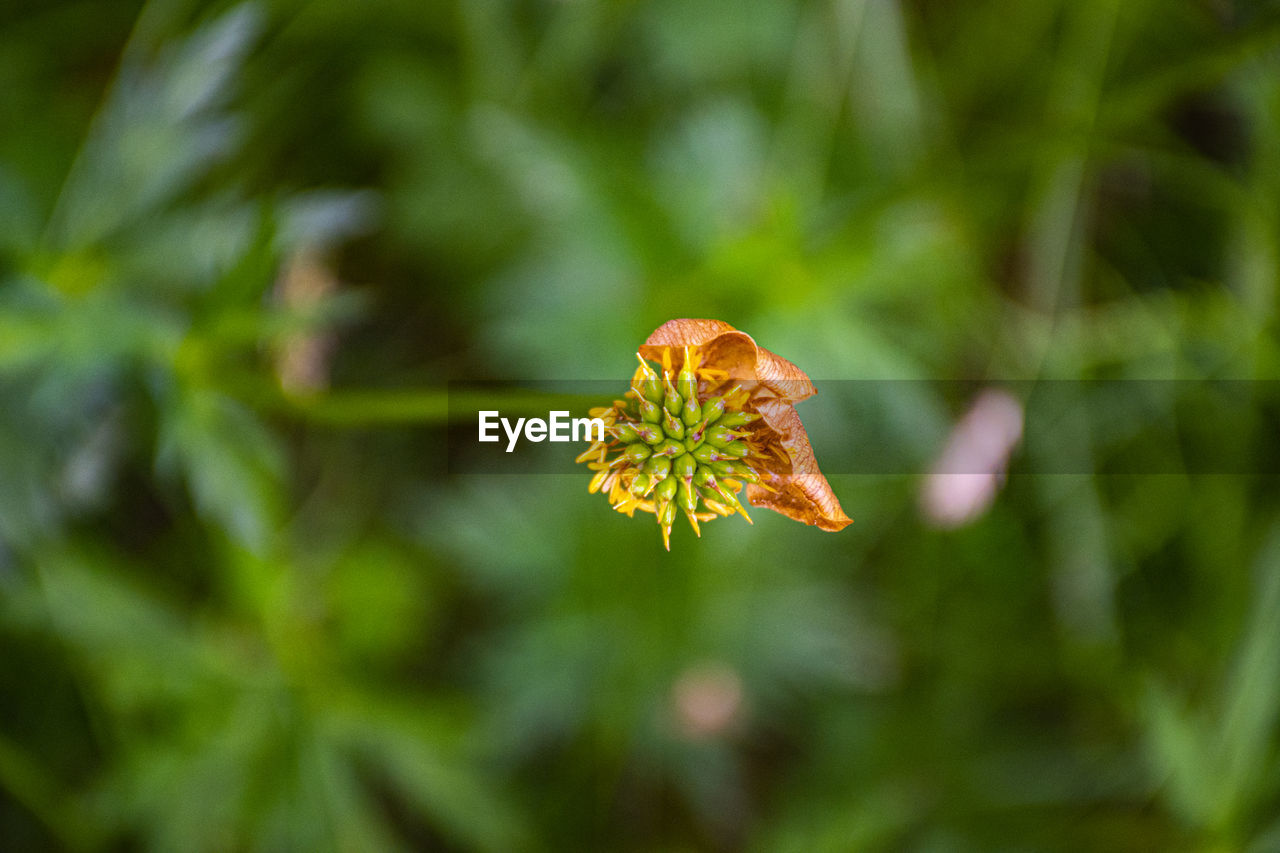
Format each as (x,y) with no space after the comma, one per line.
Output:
(712,416)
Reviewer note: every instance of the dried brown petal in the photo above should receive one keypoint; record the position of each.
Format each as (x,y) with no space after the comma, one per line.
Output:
(802,492)
(735,352)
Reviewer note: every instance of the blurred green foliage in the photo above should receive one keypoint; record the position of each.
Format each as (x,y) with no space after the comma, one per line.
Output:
(239,610)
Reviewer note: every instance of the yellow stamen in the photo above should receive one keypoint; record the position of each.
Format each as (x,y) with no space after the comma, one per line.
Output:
(718,508)
(595,450)
(693,521)
(619,491)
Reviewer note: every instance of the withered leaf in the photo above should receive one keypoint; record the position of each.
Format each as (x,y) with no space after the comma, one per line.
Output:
(732,351)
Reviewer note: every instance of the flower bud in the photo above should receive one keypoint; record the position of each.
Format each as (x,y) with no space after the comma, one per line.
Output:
(666,490)
(726,497)
(672,400)
(739,470)
(706,453)
(688,498)
(687,382)
(691,411)
(721,435)
(684,466)
(735,419)
(713,409)
(636,453)
(667,513)
(704,477)
(657,467)
(649,411)
(648,386)
(672,425)
(649,434)
(670,447)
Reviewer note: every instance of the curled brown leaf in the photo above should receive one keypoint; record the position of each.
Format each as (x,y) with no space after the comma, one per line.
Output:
(733,351)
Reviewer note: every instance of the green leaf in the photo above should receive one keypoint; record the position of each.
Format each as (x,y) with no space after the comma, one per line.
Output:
(426,757)
(160,129)
(231,463)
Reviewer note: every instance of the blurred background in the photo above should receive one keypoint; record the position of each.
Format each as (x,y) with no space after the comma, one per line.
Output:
(244,249)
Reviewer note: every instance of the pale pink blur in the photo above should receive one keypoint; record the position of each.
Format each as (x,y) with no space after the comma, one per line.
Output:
(970,469)
(706,700)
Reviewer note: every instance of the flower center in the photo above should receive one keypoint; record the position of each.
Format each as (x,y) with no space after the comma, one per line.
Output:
(672,448)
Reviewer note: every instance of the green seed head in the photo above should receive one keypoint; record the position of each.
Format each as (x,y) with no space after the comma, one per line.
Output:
(674,451)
